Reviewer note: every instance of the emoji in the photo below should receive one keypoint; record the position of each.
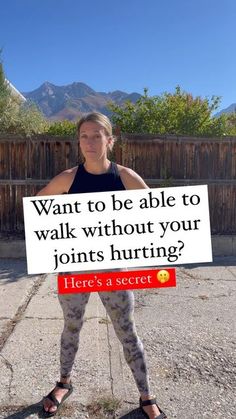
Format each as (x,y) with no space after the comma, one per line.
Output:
(163,276)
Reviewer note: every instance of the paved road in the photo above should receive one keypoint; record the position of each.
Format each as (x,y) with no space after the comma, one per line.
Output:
(189,334)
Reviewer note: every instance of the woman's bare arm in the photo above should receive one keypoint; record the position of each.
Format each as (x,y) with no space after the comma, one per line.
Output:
(59,184)
(130,179)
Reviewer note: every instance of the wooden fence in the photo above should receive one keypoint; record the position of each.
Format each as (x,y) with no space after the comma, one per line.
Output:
(26,165)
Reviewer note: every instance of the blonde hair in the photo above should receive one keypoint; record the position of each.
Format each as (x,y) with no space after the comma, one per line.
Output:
(100,119)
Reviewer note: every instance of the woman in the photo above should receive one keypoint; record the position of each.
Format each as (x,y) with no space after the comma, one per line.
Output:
(99,174)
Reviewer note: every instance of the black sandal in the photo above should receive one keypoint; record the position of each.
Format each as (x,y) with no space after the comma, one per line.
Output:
(51,397)
(147,403)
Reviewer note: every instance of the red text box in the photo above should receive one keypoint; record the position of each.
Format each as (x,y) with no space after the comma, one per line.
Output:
(115,281)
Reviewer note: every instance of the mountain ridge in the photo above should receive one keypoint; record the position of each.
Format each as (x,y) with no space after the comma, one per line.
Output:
(72,100)
(230,109)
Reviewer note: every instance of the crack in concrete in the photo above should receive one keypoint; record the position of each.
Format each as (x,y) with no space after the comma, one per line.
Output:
(114,416)
(109,355)
(232,273)
(199,278)
(42,318)
(20,311)
(207,297)
(10,367)
(102,319)
(110,362)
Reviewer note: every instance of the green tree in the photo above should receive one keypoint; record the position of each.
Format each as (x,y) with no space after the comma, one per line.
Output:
(231,123)
(178,113)
(62,128)
(17,117)
(4,90)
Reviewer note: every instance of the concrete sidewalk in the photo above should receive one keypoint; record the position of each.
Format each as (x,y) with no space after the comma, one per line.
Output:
(188,332)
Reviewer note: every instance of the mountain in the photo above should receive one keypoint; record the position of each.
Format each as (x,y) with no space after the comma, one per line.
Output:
(231,109)
(72,100)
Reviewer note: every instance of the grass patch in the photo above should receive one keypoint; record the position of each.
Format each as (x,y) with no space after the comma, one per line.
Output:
(104,407)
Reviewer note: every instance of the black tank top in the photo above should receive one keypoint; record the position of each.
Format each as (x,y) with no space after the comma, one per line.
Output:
(87,182)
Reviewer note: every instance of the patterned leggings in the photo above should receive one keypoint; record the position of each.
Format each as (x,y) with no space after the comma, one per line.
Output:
(120,308)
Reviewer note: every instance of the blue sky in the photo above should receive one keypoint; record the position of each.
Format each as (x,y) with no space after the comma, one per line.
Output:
(122,45)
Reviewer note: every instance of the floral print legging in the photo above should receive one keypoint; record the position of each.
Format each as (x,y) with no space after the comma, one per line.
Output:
(120,308)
